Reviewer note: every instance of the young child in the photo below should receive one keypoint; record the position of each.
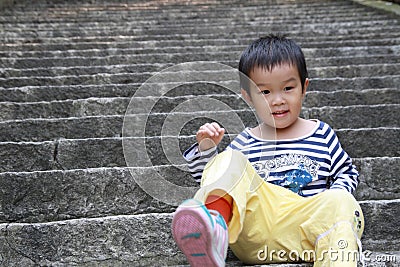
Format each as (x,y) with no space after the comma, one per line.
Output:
(281,191)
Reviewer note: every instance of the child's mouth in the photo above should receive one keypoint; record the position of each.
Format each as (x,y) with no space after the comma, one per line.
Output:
(280,113)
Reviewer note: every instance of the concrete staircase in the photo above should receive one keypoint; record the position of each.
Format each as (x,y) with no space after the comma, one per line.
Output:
(71,192)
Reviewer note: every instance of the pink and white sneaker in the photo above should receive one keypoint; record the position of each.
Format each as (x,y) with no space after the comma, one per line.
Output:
(201,234)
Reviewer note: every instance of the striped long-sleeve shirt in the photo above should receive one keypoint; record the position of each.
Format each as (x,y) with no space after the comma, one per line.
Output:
(307,165)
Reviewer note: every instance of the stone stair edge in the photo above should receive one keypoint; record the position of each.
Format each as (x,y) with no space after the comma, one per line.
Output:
(307,52)
(76,39)
(333,30)
(361,71)
(183,137)
(168,70)
(324,63)
(176,8)
(144,215)
(100,169)
(335,23)
(147,230)
(74,221)
(31,95)
(186,19)
(80,113)
(109,120)
(58,5)
(386,6)
(39,30)
(231,95)
(163,58)
(138,84)
(115,51)
(322,7)
(358,25)
(187,136)
(240,40)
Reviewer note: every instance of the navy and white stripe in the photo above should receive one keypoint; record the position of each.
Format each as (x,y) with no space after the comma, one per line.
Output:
(320,153)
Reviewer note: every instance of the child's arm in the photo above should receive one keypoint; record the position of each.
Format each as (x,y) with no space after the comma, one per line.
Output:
(197,156)
(344,174)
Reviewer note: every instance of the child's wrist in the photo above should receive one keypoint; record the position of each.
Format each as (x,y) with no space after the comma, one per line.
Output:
(205,145)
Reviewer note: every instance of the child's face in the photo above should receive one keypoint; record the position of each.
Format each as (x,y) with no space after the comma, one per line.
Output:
(278,98)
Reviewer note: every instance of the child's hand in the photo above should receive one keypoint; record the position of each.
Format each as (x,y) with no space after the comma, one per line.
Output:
(209,135)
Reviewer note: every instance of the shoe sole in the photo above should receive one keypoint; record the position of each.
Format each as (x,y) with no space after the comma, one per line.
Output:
(194,237)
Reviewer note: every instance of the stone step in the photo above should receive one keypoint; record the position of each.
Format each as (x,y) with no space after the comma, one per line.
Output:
(63,92)
(97,13)
(189,92)
(315,65)
(60,32)
(208,40)
(142,240)
(184,10)
(215,17)
(167,55)
(336,84)
(68,29)
(56,195)
(158,57)
(351,71)
(79,121)
(275,22)
(348,28)
(108,152)
(128,45)
(352,97)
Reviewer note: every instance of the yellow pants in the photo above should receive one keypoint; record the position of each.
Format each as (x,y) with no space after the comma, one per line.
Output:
(272,224)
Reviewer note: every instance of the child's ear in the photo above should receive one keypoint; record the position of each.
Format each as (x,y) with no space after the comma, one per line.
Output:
(306,83)
(246,97)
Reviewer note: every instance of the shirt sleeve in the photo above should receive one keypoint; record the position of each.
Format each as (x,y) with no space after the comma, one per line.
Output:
(344,174)
(197,160)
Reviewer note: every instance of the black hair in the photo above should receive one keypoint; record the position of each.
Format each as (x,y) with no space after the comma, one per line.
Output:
(268,52)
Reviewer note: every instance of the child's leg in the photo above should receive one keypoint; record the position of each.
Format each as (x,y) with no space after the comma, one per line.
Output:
(339,221)
(200,232)
(231,176)
(221,202)
(325,228)
(254,203)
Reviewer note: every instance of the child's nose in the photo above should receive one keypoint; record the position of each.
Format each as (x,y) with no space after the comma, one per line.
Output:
(277,99)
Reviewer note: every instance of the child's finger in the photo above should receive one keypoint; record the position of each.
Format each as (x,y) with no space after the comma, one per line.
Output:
(209,129)
(219,130)
(215,128)
(205,132)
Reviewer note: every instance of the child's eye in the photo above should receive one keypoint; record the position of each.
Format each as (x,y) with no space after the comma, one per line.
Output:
(265,92)
(288,88)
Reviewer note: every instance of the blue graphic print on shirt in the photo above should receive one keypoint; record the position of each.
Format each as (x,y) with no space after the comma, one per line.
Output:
(292,171)
(295,180)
